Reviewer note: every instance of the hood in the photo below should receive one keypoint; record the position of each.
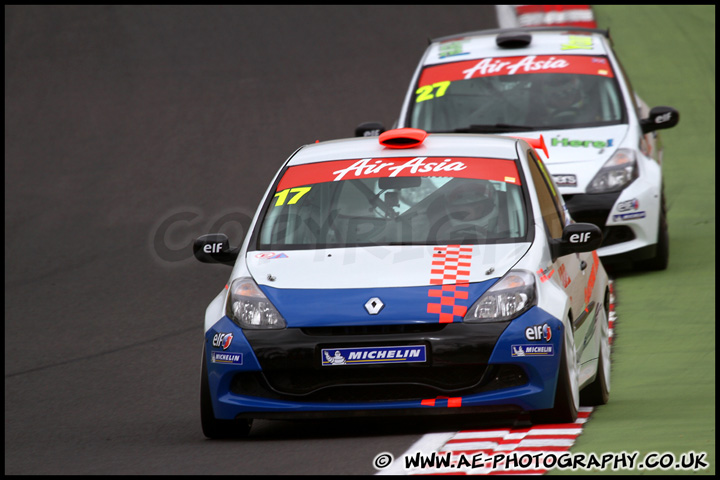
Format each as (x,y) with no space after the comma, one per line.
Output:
(381,266)
(380,285)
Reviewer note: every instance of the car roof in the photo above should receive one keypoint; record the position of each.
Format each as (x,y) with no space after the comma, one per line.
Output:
(434,145)
(543,41)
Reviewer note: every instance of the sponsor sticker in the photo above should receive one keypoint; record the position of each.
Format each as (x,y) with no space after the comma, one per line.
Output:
(222,340)
(228,358)
(270,255)
(529,64)
(628,216)
(501,170)
(451,49)
(567,142)
(373,355)
(532,350)
(538,333)
(565,180)
(628,205)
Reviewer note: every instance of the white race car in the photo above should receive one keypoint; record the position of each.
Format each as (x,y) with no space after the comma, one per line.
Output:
(410,273)
(568,85)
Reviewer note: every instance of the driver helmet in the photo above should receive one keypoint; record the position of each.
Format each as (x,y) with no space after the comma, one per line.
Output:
(561,90)
(472,201)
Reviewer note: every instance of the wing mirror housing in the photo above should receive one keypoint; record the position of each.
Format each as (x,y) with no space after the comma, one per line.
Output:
(660,118)
(215,248)
(369,129)
(577,238)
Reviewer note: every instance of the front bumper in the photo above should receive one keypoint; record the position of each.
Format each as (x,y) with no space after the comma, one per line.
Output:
(628,220)
(280,373)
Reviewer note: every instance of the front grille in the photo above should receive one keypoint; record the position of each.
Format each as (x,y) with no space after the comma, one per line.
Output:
(591,208)
(615,235)
(353,384)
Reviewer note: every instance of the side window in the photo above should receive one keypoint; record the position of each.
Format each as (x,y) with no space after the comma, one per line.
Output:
(626,79)
(550,206)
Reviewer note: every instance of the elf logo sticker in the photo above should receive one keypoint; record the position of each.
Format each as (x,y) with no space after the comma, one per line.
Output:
(565,180)
(628,205)
(222,340)
(538,333)
(582,237)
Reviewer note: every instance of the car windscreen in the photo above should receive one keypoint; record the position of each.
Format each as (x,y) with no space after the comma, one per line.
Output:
(395,201)
(511,94)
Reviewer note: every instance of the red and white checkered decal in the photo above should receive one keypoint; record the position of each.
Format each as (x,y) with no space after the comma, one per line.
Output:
(451,273)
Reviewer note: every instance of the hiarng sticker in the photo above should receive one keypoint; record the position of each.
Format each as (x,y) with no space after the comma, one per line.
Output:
(461,167)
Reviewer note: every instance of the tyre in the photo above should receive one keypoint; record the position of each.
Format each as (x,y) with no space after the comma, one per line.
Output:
(662,251)
(565,409)
(598,392)
(211,426)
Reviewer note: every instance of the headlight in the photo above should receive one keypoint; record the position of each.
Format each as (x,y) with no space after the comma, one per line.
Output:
(617,173)
(508,298)
(250,308)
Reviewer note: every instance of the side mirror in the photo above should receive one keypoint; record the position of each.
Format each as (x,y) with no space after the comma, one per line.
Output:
(576,238)
(369,129)
(659,119)
(215,248)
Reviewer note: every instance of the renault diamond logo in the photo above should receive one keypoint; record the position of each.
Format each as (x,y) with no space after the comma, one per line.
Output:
(374,305)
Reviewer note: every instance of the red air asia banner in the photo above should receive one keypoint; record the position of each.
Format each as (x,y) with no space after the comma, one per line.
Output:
(578,64)
(462,167)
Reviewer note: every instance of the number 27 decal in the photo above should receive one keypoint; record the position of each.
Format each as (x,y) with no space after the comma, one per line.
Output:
(426,92)
(298,191)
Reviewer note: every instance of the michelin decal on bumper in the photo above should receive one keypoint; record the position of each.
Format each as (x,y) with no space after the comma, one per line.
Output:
(373,355)
(230,358)
(532,350)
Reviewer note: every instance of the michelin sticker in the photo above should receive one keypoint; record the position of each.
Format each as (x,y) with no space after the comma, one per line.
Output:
(532,350)
(373,355)
(228,358)
(628,216)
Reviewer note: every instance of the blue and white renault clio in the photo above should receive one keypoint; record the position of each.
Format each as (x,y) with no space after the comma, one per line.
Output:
(409,273)
(567,84)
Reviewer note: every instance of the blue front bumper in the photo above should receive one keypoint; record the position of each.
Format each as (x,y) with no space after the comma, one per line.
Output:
(530,344)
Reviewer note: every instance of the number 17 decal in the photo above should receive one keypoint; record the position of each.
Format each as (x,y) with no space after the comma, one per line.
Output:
(298,191)
(426,92)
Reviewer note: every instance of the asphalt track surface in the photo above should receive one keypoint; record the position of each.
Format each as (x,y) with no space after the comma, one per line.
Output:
(128,132)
